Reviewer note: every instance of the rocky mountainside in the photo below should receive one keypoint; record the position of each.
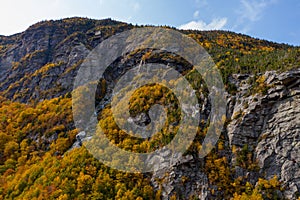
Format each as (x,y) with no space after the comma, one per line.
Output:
(267,125)
(270,125)
(41,157)
(41,62)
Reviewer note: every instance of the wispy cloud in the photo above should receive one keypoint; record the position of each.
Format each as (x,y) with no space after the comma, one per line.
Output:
(251,11)
(201,3)
(196,14)
(215,24)
(136,6)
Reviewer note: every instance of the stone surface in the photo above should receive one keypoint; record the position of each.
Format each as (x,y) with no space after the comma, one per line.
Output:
(268,123)
(24,75)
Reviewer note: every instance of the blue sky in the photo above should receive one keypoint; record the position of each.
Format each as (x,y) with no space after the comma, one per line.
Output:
(275,20)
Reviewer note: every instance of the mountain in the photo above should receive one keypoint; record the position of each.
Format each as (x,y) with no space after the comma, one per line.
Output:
(41,156)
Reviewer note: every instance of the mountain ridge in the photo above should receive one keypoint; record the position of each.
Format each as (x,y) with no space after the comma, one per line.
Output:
(44,42)
(255,156)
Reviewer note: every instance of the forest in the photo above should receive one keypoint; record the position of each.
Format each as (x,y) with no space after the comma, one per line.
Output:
(36,158)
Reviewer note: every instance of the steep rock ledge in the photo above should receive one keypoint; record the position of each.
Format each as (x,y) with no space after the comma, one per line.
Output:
(270,125)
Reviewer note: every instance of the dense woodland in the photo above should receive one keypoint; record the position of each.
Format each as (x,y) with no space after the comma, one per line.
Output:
(35,138)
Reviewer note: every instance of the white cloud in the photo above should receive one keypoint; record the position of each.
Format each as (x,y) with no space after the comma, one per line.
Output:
(196,14)
(101,2)
(16,16)
(253,10)
(216,24)
(136,6)
(249,12)
(201,3)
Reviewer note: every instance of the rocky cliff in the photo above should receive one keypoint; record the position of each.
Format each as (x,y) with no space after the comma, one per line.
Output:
(42,62)
(268,124)
(261,136)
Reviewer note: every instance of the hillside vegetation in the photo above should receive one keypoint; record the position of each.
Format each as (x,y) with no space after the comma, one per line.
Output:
(37,69)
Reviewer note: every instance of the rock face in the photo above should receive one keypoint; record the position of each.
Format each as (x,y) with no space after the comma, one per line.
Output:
(270,125)
(185,180)
(41,63)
